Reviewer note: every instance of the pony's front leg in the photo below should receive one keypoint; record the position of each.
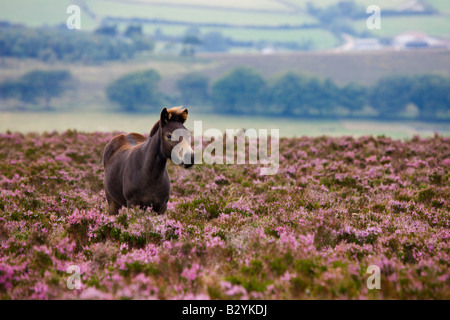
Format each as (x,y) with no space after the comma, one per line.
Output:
(131,203)
(113,206)
(161,209)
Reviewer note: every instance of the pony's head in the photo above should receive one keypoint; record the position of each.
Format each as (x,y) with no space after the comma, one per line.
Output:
(175,138)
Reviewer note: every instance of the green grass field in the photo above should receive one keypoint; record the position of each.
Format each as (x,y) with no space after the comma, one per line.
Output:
(269,13)
(392,26)
(40,13)
(226,4)
(105,8)
(321,39)
(442,5)
(31,12)
(384,4)
(142,123)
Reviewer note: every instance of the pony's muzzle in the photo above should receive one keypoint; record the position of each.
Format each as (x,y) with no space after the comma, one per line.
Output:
(191,162)
(188,159)
(182,154)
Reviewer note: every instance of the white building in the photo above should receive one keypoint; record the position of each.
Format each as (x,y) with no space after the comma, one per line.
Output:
(414,40)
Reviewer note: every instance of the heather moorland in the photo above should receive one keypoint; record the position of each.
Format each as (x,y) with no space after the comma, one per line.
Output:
(335,207)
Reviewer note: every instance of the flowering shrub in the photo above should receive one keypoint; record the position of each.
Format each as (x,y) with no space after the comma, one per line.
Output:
(336,206)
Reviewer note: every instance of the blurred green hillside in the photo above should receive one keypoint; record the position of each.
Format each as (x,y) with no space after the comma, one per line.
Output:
(289,24)
(184,40)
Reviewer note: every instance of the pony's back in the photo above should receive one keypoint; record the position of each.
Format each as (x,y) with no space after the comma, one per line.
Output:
(121,141)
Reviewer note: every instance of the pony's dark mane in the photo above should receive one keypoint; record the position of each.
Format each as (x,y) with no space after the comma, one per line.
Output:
(175,114)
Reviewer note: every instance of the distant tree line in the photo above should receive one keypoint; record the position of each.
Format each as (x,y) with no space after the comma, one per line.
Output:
(37,87)
(136,90)
(61,44)
(337,17)
(429,93)
(244,90)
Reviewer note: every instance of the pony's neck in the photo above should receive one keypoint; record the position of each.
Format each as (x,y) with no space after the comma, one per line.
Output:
(154,159)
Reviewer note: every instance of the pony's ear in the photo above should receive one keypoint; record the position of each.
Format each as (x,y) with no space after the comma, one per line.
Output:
(184,115)
(165,116)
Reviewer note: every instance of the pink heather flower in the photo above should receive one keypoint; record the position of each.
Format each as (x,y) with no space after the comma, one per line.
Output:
(215,242)
(191,273)
(40,291)
(125,293)
(92,293)
(220,178)
(171,206)
(287,276)
(392,278)
(385,159)
(371,159)
(44,249)
(192,296)
(6,275)
(289,240)
(234,289)
(280,230)
(63,158)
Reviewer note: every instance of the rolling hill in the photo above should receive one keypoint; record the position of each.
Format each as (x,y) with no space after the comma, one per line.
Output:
(256,21)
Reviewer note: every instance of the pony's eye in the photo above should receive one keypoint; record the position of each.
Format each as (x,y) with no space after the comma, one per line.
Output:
(169,136)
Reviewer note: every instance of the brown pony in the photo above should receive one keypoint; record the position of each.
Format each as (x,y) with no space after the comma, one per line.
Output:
(135,166)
